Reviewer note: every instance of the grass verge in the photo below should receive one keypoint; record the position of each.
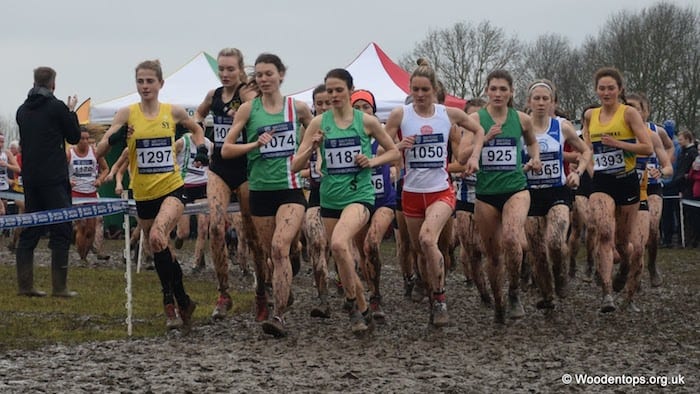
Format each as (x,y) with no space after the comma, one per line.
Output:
(98,313)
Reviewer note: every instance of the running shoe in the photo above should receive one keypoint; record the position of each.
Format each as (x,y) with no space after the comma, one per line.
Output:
(262,311)
(630,306)
(172,318)
(375,305)
(516,307)
(608,304)
(275,327)
(322,309)
(223,305)
(358,324)
(499,314)
(438,314)
(187,313)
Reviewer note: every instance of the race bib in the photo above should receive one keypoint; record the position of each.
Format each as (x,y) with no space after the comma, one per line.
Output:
(222,125)
(313,162)
(549,174)
(154,155)
(378,181)
(608,160)
(83,168)
(428,151)
(500,154)
(340,155)
(283,143)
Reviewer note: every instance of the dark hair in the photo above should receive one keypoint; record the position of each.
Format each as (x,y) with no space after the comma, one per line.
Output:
(501,74)
(561,113)
(424,70)
(269,58)
(44,77)
(613,73)
(475,102)
(318,89)
(342,74)
(440,92)
(591,106)
(641,97)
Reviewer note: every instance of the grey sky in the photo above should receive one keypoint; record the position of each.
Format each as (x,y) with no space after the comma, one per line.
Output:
(95,45)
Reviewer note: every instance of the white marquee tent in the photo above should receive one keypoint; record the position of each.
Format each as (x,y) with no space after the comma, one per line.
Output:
(373,70)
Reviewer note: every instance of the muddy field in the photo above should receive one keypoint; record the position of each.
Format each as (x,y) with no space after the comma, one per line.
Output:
(472,354)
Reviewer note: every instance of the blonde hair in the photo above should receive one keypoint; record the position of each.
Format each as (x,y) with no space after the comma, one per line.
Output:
(424,70)
(238,54)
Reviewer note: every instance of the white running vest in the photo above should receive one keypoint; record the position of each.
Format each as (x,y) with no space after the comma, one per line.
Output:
(4,183)
(83,171)
(426,162)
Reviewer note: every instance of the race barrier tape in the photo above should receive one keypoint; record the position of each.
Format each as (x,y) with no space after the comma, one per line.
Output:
(62,215)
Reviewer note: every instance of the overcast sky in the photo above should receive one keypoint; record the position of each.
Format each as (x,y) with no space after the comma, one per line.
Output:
(95,45)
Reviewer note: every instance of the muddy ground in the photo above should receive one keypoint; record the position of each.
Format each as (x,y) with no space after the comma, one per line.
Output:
(472,354)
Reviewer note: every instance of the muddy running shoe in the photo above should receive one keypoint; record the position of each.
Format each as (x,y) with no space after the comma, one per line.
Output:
(172,318)
(588,277)
(631,307)
(223,305)
(608,304)
(275,327)
(516,307)
(179,242)
(187,313)
(322,309)
(358,323)
(262,310)
(438,314)
(375,305)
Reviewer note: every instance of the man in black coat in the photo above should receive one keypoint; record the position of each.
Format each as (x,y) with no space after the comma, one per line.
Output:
(45,123)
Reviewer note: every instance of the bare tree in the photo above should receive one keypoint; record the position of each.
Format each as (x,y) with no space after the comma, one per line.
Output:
(657,50)
(464,54)
(9,127)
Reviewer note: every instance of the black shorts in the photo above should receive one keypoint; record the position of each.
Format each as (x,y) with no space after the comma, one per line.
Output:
(266,203)
(655,189)
(233,176)
(624,189)
(584,187)
(542,200)
(497,201)
(315,196)
(148,209)
(399,191)
(195,193)
(644,205)
(464,206)
(335,213)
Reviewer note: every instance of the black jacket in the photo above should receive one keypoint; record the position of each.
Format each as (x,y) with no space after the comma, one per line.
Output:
(685,161)
(45,123)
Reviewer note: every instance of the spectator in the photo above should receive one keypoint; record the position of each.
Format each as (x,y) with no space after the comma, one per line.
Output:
(45,123)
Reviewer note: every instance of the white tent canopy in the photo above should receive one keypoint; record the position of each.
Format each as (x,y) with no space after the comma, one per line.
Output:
(373,70)
(186,87)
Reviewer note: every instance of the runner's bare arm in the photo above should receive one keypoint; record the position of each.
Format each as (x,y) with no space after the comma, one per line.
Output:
(231,149)
(312,137)
(120,119)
